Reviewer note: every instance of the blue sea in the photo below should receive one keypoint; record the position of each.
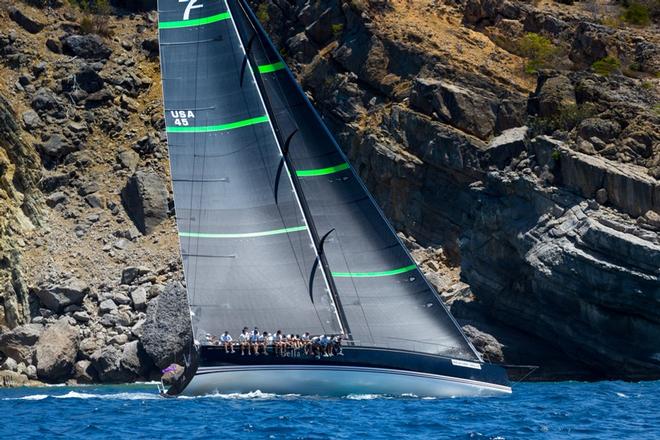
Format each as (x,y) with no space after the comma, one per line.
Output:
(568,410)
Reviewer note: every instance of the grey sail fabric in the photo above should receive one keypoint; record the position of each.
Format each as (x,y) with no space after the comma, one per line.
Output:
(386,300)
(247,258)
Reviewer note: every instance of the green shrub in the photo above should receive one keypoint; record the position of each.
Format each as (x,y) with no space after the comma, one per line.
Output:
(94,18)
(540,51)
(337,29)
(637,14)
(556,155)
(606,66)
(86,25)
(262,13)
(565,120)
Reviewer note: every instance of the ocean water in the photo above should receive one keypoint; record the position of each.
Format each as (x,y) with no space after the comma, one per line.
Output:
(569,410)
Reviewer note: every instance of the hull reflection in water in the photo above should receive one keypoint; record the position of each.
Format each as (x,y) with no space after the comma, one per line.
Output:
(334,381)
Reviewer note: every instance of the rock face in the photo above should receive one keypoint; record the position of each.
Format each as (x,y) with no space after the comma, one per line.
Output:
(166,334)
(56,350)
(145,199)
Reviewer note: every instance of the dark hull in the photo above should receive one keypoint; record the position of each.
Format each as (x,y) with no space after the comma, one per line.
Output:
(221,372)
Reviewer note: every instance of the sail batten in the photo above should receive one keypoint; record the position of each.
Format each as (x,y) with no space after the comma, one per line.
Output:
(244,235)
(196,22)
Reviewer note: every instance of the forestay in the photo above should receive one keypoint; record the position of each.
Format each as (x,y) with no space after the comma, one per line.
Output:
(247,258)
(386,300)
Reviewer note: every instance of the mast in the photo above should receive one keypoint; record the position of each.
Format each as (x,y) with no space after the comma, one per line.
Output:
(283,145)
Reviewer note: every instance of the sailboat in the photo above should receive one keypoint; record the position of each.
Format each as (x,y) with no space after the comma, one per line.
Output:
(278,231)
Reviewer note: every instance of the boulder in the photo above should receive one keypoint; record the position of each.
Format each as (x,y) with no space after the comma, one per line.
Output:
(31,120)
(56,350)
(107,363)
(84,372)
(485,344)
(19,342)
(31,372)
(303,49)
(55,199)
(128,159)
(509,144)
(87,79)
(139,298)
(145,199)
(85,46)
(150,45)
(28,23)
(54,46)
(590,43)
(167,333)
(133,273)
(57,296)
(107,306)
(56,147)
(554,94)
(135,359)
(88,346)
(472,112)
(81,316)
(9,364)
(603,129)
(44,99)
(11,379)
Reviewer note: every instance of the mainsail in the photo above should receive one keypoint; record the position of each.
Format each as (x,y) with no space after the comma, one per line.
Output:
(266,199)
(246,257)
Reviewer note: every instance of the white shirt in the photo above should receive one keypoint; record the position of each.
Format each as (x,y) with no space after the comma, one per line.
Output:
(226,338)
(244,337)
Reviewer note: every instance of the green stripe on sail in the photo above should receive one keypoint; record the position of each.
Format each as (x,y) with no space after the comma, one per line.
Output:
(222,127)
(386,273)
(270,68)
(323,171)
(244,235)
(195,22)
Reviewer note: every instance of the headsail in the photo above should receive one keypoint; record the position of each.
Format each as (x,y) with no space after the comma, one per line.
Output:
(247,258)
(386,299)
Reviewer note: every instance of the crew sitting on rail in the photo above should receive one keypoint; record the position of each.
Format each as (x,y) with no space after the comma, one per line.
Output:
(306,342)
(267,342)
(256,342)
(255,337)
(279,342)
(244,341)
(227,342)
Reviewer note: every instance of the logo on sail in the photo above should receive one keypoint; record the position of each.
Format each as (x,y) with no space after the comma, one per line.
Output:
(192,4)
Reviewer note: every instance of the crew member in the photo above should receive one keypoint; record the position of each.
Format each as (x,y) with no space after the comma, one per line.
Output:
(227,342)
(244,341)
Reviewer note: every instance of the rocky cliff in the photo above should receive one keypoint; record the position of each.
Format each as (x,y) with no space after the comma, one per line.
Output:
(528,192)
